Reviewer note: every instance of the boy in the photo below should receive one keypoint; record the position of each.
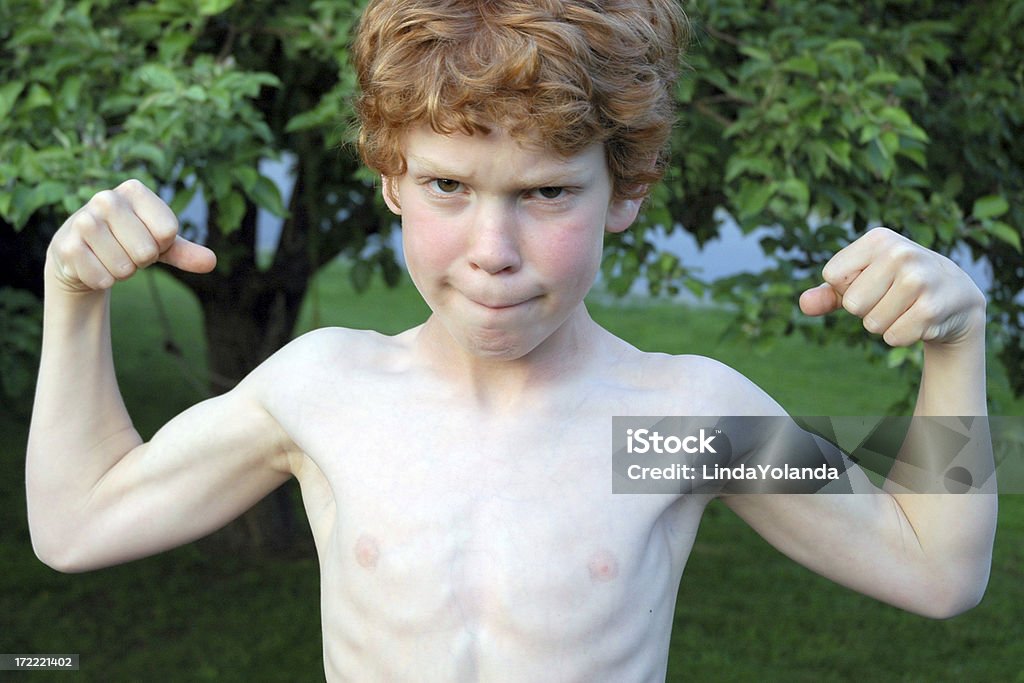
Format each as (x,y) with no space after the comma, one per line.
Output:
(456,475)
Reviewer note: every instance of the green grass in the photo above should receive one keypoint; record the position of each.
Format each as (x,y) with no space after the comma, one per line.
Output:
(744,612)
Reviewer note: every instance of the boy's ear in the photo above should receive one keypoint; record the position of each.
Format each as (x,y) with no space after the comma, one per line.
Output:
(622,213)
(389,188)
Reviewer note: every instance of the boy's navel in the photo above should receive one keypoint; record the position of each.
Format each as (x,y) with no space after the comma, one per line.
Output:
(603,566)
(366,551)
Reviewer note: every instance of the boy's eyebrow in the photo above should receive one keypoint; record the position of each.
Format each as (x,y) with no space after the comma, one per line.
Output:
(553,175)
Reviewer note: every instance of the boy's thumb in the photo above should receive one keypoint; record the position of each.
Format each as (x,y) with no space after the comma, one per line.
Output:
(189,256)
(820,300)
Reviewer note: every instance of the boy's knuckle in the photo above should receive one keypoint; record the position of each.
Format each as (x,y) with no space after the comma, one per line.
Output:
(66,249)
(104,201)
(830,274)
(883,234)
(87,225)
(903,256)
(164,232)
(146,254)
(132,187)
(929,309)
(914,279)
(125,270)
(852,304)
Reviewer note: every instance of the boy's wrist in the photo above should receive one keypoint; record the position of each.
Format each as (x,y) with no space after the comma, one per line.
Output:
(971,332)
(54,284)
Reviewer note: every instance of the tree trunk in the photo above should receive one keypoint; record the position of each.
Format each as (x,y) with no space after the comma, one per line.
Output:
(248,316)
(246,321)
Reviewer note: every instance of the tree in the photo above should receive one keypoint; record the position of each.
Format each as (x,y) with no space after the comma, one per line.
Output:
(190,96)
(822,119)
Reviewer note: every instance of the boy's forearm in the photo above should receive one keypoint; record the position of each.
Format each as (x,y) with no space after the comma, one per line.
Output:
(80,427)
(953,380)
(955,532)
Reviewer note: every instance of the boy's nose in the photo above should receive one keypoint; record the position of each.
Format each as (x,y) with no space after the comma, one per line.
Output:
(494,245)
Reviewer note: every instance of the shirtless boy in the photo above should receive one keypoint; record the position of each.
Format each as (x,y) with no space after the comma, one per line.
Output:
(456,476)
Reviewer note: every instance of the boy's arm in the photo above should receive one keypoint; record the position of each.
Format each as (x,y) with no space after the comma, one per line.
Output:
(97,495)
(928,553)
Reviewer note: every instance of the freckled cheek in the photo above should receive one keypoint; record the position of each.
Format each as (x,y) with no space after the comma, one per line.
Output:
(430,245)
(570,255)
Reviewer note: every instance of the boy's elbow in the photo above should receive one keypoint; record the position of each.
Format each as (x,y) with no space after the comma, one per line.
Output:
(955,596)
(949,608)
(55,550)
(48,554)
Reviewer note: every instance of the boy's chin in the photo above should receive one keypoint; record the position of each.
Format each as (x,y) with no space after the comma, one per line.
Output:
(498,346)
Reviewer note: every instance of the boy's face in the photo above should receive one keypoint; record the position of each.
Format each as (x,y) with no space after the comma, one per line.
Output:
(502,240)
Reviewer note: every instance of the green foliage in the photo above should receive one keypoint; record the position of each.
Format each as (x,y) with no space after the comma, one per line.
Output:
(191,96)
(820,120)
(815,119)
(92,100)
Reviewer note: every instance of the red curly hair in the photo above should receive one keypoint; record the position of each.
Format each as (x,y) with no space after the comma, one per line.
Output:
(560,73)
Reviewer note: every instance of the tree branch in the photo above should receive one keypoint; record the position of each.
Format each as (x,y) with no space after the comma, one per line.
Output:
(724,37)
(707,111)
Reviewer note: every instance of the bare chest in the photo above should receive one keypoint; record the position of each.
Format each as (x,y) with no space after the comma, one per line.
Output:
(509,525)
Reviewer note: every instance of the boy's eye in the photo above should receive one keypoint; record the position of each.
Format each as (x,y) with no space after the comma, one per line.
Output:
(446,185)
(550,192)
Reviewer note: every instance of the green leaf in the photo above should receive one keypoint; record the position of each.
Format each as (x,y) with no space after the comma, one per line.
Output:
(38,96)
(991,206)
(895,116)
(915,133)
(802,64)
(882,78)
(798,190)
(307,119)
(869,132)
(147,151)
(158,77)
(182,199)
(27,200)
(839,151)
(230,211)
(246,177)
(1006,233)
(755,53)
(890,140)
(753,197)
(195,93)
(756,165)
(845,45)
(265,193)
(208,8)
(9,95)
(897,356)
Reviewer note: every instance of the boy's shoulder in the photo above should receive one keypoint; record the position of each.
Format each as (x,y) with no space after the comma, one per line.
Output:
(328,354)
(693,384)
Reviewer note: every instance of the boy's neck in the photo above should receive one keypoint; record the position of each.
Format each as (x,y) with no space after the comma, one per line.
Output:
(503,385)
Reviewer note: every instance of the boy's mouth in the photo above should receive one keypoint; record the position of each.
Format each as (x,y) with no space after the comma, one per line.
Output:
(501,305)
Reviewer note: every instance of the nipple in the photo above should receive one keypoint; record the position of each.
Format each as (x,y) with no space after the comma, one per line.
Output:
(603,566)
(367,551)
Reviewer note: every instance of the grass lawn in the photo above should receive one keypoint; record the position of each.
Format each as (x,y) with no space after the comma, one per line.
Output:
(744,612)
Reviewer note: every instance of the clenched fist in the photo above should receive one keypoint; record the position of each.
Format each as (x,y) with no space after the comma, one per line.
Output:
(900,290)
(117,232)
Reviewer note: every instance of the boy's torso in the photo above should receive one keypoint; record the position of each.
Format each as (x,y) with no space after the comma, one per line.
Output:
(460,544)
